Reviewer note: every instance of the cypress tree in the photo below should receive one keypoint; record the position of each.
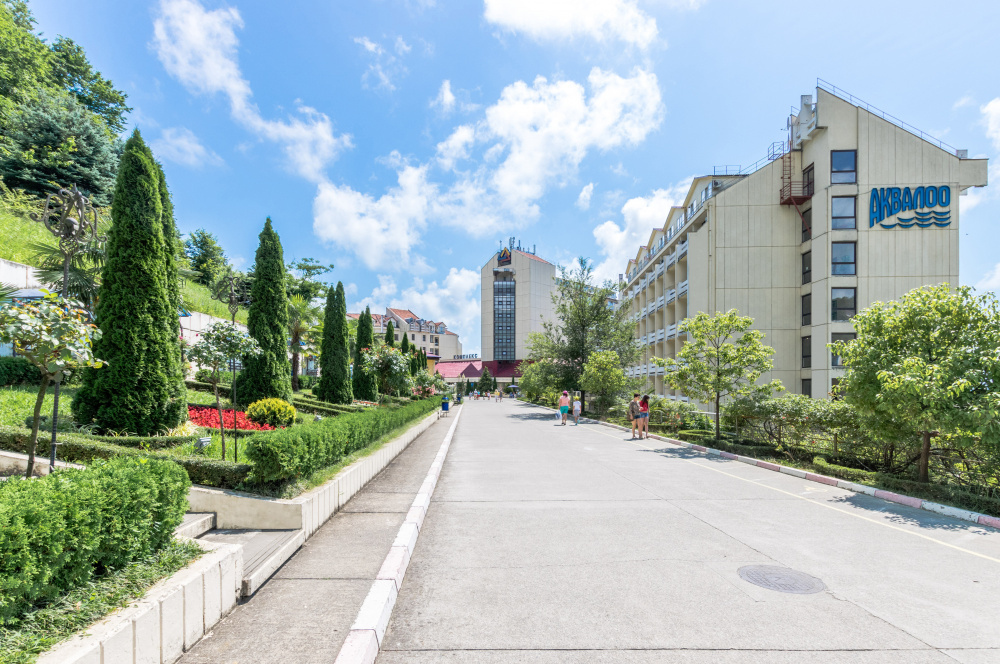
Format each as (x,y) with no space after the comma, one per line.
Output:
(335,356)
(268,375)
(390,335)
(404,347)
(137,391)
(365,386)
(171,240)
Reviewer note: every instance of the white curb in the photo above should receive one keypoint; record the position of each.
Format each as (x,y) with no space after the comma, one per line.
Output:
(365,638)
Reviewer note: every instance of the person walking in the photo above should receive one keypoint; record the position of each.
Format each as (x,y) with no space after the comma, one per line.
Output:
(644,417)
(564,406)
(633,413)
(577,409)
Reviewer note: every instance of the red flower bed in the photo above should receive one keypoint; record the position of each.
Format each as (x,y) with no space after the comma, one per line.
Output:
(207,416)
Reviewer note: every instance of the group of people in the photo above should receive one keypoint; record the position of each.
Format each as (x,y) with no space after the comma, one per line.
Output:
(496,395)
(638,415)
(564,408)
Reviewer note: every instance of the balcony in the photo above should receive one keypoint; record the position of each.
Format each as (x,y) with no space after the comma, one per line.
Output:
(671,295)
(797,192)
(682,248)
(682,288)
(671,331)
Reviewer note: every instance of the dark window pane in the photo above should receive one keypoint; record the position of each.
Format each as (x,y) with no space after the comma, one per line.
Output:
(843,257)
(840,336)
(844,304)
(843,166)
(807,222)
(806,352)
(807,387)
(807,267)
(843,210)
(807,309)
(808,180)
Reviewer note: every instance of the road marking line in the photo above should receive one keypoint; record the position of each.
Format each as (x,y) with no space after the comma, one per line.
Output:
(814,502)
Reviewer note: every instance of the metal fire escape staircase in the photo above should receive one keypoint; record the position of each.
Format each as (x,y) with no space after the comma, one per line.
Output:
(794,191)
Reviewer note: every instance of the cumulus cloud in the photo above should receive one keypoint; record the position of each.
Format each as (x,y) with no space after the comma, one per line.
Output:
(456,146)
(181,146)
(198,47)
(596,19)
(991,281)
(445,99)
(583,200)
(620,242)
(454,301)
(991,118)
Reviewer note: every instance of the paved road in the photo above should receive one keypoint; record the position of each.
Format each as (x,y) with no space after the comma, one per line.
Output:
(570,544)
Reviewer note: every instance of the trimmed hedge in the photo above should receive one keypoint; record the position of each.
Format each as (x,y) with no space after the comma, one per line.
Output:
(85,449)
(300,451)
(18,371)
(59,531)
(224,390)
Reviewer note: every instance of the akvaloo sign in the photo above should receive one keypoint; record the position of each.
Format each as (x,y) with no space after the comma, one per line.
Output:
(504,257)
(890,201)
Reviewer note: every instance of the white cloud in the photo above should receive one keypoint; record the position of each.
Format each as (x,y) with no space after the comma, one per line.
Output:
(445,99)
(456,146)
(454,301)
(351,289)
(619,169)
(596,19)
(991,281)
(181,146)
(991,118)
(385,66)
(619,243)
(386,287)
(199,48)
(583,200)
(967,100)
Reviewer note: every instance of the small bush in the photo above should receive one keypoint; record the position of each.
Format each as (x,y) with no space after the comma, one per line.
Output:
(276,412)
(293,453)
(59,531)
(18,371)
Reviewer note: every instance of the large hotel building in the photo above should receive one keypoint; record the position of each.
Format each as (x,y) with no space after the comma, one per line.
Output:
(856,207)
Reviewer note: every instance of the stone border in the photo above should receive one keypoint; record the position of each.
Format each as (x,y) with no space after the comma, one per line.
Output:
(368,631)
(19,462)
(171,617)
(909,501)
(237,509)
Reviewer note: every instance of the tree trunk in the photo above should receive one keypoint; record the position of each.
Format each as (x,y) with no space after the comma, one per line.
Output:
(55,423)
(717,399)
(295,372)
(218,408)
(34,426)
(925,457)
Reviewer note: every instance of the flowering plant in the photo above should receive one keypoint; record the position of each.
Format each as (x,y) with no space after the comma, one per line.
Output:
(207,416)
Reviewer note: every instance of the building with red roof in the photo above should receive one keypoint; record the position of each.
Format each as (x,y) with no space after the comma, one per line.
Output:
(432,337)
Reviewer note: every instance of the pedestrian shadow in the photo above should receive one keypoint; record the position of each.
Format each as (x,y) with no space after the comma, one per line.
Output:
(532,416)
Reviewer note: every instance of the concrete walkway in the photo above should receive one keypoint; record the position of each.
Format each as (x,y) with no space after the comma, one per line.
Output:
(573,544)
(304,613)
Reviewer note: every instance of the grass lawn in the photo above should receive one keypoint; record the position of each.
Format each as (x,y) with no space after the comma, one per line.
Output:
(44,627)
(18,233)
(18,403)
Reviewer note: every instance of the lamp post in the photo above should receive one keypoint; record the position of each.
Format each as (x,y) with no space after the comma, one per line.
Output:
(72,220)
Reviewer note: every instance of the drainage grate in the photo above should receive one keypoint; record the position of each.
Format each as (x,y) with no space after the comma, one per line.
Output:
(782,579)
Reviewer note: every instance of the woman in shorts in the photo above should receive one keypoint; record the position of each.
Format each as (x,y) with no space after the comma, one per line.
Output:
(644,417)
(564,406)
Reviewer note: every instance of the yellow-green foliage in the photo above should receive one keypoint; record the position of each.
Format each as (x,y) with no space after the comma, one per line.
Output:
(276,412)
(18,233)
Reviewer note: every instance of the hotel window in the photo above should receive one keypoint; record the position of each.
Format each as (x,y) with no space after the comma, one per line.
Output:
(844,258)
(808,180)
(806,352)
(807,224)
(844,213)
(425,337)
(807,267)
(844,304)
(840,336)
(397,337)
(843,166)
(807,309)
(807,387)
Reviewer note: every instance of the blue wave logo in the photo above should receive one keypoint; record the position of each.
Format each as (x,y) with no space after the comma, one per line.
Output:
(891,201)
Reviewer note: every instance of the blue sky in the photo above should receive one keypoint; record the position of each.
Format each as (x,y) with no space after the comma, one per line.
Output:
(404,140)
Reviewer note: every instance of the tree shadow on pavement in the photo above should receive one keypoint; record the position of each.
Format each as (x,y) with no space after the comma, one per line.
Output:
(910,516)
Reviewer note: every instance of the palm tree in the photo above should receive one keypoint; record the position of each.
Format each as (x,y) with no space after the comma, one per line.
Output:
(302,317)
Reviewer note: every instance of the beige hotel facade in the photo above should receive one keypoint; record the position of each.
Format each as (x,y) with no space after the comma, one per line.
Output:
(856,207)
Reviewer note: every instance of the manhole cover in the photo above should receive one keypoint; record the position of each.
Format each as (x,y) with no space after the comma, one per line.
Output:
(782,579)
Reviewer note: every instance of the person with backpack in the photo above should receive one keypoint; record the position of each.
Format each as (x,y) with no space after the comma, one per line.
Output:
(633,414)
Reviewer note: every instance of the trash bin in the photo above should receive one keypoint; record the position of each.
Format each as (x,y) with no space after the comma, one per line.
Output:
(444,404)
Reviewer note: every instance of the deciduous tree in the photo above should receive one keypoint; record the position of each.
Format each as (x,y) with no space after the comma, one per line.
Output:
(604,378)
(721,357)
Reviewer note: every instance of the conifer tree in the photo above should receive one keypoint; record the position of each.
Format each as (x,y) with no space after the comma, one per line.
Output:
(137,391)
(335,356)
(486,382)
(171,246)
(268,375)
(365,385)
(390,335)
(404,347)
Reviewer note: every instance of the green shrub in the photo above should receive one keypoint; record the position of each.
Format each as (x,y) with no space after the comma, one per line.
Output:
(297,452)
(57,532)
(85,449)
(205,376)
(276,412)
(17,371)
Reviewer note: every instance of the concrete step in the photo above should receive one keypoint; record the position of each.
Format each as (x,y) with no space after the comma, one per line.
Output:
(264,551)
(196,524)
